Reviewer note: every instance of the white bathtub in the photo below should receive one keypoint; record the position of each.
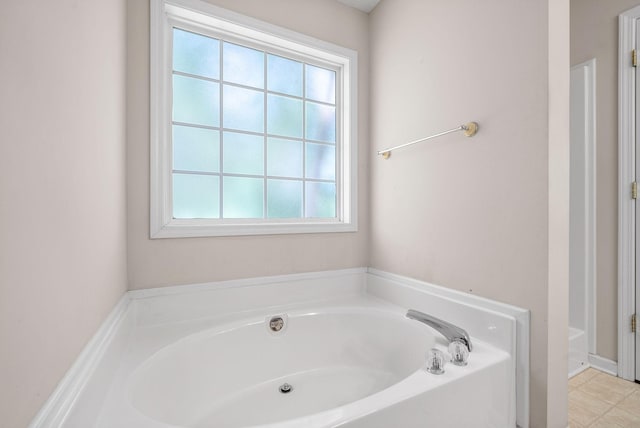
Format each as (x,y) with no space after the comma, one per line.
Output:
(203,356)
(229,376)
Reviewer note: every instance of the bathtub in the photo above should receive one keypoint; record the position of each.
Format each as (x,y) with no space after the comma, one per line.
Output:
(346,355)
(330,357)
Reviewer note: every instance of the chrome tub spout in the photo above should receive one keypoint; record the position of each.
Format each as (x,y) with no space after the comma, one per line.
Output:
(451,332)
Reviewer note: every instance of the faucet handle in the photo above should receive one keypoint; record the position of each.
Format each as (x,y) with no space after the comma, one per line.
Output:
(435,361)
(459,352)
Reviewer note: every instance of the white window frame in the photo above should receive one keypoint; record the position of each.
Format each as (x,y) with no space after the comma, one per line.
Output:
(197,14)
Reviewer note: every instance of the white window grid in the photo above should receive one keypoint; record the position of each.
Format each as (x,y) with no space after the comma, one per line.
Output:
(221,39)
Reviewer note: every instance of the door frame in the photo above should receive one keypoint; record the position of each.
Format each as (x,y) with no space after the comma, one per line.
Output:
(626,205)
(589,161)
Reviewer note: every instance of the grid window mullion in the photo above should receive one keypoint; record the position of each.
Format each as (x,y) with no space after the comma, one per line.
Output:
(221,109)
(265,194)
(304,141)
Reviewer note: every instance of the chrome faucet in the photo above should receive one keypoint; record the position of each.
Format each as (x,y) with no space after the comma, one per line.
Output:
(450,331)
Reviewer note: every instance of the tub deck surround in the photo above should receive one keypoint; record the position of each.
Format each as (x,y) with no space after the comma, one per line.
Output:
(502,325)
(202,355)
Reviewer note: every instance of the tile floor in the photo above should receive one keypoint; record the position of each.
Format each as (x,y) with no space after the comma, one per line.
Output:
(599,400)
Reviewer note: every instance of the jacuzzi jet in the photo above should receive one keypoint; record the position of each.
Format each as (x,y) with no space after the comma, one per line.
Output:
(276,324)
(285,388)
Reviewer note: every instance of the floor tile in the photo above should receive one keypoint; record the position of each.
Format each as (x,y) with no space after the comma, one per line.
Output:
(600,400)
(604,424)
(574,424)
(588,401)
(575,382)
(631,404)
(613,383)
(621,418)
(603,392)
(583,377)
(582,415)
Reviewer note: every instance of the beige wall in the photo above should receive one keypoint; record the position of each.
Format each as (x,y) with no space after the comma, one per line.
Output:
(594,34)
(559,200)
(177,261)
(473,214)
(470,214)
(62,189)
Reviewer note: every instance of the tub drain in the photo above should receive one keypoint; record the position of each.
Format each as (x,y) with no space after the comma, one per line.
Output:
(285,388)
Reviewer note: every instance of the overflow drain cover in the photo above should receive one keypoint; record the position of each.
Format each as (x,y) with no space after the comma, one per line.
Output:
(285,388)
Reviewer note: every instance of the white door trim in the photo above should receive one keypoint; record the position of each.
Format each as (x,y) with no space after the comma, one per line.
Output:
(626,205)
(591,173)
(590,202)
(588,207)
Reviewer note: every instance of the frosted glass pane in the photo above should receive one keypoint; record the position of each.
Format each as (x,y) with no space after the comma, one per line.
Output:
(243,65)
(196,101)
(196,54)
(196,149)
(196,196)
(321,122)
(243,153)
(284,116)
(284,199)
(321,84)
(243,109)
(243,197)
(284,75)
(284,158)
(320,200)
(320,161)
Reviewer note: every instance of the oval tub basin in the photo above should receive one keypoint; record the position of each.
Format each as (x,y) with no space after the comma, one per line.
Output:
(230,376)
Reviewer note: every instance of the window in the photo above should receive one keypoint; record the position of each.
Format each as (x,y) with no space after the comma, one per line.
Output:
(252,127)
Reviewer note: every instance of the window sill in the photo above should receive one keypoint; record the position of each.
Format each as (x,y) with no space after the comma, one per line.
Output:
(204,228)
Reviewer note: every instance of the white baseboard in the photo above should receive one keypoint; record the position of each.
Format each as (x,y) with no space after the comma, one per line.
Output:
(55,409)
(579,370)
(603,364)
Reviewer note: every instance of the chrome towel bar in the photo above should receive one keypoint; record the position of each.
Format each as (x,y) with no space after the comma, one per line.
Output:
(470,129)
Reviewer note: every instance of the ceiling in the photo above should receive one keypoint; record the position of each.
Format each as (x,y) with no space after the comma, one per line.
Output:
(364,5)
